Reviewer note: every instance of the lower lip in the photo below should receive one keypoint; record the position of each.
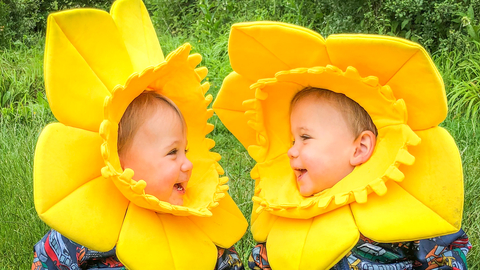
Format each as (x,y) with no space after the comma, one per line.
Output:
(301,176)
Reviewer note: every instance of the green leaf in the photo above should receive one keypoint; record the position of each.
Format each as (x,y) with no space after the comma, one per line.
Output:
(407,35)
(404,23)
(470,13)
(394,26)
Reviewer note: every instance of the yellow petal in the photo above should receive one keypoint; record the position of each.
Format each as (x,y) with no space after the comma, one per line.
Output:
(403,65)
(136,29)
(421,86)
(398,217)
(92,215)
(226,225)
(228,106)
(163,240)
(436,178)
(262,224)
(310,241)
(260,49)
(85,58)
(65,159)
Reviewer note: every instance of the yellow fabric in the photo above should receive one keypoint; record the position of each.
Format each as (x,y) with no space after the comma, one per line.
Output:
(95,64)
(411,187)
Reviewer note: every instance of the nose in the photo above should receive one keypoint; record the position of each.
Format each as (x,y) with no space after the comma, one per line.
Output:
(292,152)
(187,165)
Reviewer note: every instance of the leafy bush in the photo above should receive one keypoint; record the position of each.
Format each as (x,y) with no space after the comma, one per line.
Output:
(436,24)
(22,19)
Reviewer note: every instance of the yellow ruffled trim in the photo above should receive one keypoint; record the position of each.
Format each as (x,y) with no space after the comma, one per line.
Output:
(116,104)
(383,98)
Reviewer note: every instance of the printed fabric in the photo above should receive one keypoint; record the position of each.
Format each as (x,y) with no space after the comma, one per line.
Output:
(55,251)
(439,253)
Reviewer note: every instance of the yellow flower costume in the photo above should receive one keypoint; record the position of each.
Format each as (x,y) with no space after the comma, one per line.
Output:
(96,63)
(412,186)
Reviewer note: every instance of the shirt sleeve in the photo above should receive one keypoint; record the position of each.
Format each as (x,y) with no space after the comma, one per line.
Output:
(228,259)
(442,253)
(258,259)
(55,251)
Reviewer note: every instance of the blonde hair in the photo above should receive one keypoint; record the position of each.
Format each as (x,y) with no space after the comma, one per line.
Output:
(136,113)
(355,116)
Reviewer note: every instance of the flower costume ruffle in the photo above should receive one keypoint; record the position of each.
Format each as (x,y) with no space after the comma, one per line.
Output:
(96,63)
(412,186)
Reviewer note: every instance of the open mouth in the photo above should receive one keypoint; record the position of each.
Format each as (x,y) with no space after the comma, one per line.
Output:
(179,187)
(300,173)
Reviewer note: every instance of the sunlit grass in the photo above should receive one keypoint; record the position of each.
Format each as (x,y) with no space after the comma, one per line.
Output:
(22,120)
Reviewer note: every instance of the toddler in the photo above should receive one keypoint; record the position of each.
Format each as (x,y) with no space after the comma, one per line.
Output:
(152,141)
(332,135)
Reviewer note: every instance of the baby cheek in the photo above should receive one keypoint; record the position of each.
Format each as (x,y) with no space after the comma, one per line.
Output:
(310,158)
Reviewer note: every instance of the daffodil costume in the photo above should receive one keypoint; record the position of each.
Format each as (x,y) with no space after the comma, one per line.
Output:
(96,63)
(412,186)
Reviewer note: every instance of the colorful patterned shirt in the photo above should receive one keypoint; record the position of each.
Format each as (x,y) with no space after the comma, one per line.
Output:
(439,253)
(55,251)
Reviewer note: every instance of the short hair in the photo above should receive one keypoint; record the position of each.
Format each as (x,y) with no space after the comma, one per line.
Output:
(136,113)
(355,115)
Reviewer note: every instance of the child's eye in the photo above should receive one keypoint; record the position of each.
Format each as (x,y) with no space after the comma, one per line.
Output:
(172,152)
(186,151)
(305,137)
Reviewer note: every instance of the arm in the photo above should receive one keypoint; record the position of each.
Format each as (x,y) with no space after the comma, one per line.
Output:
(444,252)
(258,259)
(55,251)
(228,259)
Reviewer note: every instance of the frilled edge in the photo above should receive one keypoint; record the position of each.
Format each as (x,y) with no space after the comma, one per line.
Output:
(114,107)
(254,112)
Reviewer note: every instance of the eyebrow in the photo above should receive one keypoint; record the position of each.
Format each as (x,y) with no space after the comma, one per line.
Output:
(303,129)
(172,143)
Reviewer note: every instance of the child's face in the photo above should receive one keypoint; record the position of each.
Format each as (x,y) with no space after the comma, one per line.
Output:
(324,143)
(157,155)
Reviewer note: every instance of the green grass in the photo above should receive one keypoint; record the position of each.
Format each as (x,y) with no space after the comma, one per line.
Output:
(468,143)
(21,70)
(20,226)
(22,120)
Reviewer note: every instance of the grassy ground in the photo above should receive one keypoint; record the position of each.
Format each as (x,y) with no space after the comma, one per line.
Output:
(20,125)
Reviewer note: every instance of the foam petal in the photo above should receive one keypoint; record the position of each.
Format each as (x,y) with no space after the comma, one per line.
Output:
(312,239)
(257,51)
(228,106)
(386,219)
(65,159)
(156,239)
(137,32)
(403,65)
(226,225)
(83,64)
(438,169)
(96,204)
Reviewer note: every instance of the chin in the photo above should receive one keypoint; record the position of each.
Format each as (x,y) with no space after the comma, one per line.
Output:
(176,201)
(305,192)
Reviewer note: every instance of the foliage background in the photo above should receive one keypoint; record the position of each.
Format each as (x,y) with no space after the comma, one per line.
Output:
(449,29)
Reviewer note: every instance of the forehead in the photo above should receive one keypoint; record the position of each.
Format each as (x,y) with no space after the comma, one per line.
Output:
(312,113)
(313,106)
(162,120)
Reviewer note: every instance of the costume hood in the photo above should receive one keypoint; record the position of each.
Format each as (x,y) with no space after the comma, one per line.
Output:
(412,186)
(96,63)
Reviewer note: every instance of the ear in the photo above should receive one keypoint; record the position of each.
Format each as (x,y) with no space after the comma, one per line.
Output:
(364,145)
